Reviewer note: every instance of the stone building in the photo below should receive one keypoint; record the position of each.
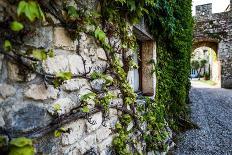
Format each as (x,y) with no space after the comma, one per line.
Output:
(28,104)
(215,31)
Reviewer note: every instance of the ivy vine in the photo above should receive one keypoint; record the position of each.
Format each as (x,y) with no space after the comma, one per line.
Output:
(169,22)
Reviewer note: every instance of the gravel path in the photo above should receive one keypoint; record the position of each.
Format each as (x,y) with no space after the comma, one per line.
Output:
(211,109)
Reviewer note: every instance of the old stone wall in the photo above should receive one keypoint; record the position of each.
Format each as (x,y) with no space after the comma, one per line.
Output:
(29,106)
(215,31)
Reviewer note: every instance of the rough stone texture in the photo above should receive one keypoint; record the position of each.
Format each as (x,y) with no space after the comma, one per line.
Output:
(215,31)
(2,122)
(62,39)
(14,72)
(7,90)
(70,63)
(77,131)
(42,37)
(211,110)
(65,106)
(98,120)
(40,92)
(76,84)
(102,133)
(28,118)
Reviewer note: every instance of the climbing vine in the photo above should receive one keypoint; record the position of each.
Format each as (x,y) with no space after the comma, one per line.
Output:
(170,22)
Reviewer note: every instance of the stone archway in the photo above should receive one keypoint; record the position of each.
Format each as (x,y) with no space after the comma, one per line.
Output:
(213,66)
(215,31)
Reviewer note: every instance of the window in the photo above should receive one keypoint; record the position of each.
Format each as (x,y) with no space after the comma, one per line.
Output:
(142,80)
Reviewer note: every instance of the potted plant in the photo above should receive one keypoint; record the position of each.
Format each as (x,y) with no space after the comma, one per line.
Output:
(206,76)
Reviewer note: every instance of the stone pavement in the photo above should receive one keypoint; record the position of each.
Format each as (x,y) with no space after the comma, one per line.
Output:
(211,110)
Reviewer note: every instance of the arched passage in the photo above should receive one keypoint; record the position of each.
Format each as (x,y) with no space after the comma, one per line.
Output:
(207,49)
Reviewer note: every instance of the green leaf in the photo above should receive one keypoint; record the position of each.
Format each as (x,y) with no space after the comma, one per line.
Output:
(21,142)
(21,7)
(39,54)
(57,133)
(72,12)
(7,45)
(100,35)
(16,26)
(57,107)
(64,75)
(88,96)
(31,10)
(85,109)
(51,53)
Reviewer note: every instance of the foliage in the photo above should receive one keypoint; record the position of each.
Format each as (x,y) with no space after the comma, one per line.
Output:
(170,23)
(58,132)
(61,77)
(16,26)
(31,10)
(22,146)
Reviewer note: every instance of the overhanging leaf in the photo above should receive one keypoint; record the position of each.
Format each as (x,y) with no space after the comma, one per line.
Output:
(16,26)
(39,54)
(7,45)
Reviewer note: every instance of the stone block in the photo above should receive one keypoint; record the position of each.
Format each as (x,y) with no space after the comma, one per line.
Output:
(87,143)
(101,54)
(14,72)
(76,64)
(97,84)
(77,131)
(6,90)
(28,118)
(61,63)
(40,92)
(42,37)
(56,64)
(95,117)
(102,133)
(65,106)
(2,122)
(104,145)
(62,39)
(75,84)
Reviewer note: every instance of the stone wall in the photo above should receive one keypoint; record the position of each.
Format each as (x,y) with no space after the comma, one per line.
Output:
(215,31)
(28,103)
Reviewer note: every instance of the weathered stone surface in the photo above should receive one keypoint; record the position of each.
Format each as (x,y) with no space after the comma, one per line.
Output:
(29,117)
(101,54)
(102,133)
(87,143)
(6,90)
(42,37)
(104,145)
(77,131)
(76,64)
(214,31)
(117,101)
(75,84)
(96,117)
(13,72)
(2,122)
(62,39)
(97,84)
(40,92)
(65,106)
(61,63)
(57,64)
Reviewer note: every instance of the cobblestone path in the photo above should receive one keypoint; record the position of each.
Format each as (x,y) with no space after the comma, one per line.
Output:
(211,110)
